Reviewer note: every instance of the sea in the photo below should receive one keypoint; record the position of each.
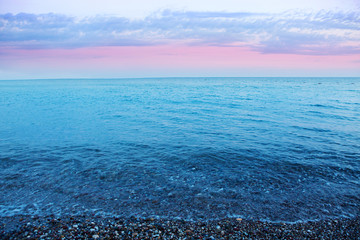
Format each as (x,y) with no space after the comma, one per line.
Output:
(272,149)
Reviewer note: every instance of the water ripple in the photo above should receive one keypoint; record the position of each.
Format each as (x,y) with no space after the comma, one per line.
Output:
(276,149)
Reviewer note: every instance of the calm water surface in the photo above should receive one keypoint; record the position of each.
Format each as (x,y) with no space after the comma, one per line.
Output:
(280,149)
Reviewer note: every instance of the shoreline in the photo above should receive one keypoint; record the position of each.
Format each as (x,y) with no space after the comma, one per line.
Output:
(93,227)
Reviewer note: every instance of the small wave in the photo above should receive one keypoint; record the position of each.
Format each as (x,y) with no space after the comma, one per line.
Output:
(313,129)
(324,106)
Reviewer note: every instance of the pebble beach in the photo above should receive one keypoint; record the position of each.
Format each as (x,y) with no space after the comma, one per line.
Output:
(84,227)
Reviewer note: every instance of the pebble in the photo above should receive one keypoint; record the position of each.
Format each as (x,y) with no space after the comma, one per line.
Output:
(137,228)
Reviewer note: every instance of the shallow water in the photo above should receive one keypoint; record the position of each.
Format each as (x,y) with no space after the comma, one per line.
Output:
(279,149)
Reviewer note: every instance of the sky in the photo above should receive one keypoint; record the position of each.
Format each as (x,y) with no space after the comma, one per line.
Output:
(171,38)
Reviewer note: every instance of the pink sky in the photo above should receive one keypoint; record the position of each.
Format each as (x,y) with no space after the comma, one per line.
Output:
(179,43)
(173,60)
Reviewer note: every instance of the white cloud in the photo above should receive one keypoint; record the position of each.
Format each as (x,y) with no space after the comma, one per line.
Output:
(142,8)
(289,32)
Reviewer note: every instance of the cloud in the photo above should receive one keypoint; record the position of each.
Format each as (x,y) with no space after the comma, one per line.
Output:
(319,33)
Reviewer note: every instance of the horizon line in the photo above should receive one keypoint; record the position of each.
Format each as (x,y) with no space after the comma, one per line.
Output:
(173,77)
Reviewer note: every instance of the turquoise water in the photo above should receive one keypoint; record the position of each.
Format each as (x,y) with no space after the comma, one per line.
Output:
(279,149)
